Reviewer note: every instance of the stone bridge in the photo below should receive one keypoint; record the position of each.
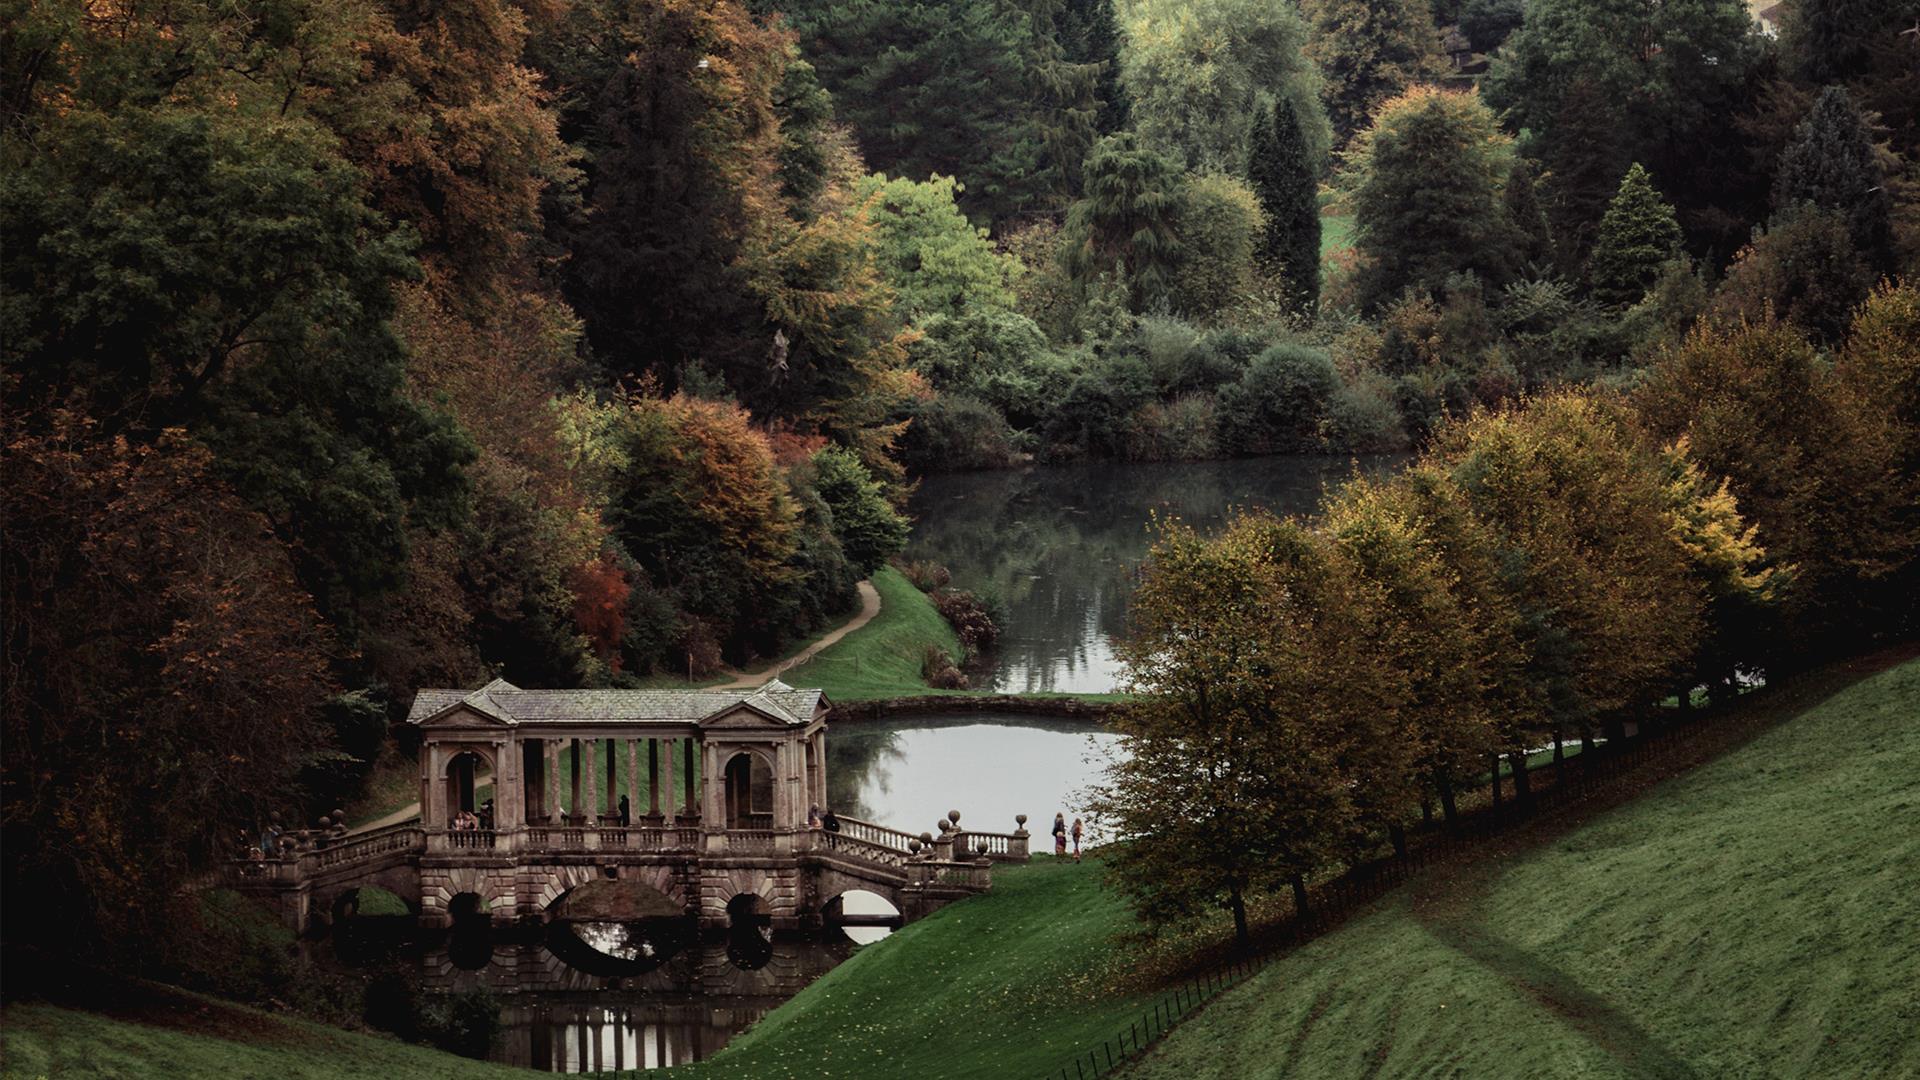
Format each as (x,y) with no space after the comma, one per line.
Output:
(741,839)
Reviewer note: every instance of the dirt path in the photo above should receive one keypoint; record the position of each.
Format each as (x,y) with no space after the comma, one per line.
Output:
(869,607)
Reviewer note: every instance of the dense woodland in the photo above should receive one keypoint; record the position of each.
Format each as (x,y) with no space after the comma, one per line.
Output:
(354,346)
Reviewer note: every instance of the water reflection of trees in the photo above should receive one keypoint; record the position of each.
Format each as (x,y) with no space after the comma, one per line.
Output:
(1055,545)
(857,759)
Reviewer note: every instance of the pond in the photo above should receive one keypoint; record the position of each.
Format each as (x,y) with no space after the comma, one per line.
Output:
(1054,547)
(909,772)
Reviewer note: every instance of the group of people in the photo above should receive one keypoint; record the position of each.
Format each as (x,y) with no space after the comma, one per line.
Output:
(468,821)
(825,821)
(1061,833)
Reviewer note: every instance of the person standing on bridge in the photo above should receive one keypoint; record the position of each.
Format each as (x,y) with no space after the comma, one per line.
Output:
(626,812)
(1077,830)
(831,823)
(1059,836)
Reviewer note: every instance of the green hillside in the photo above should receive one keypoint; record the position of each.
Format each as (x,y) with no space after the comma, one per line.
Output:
(1753,918)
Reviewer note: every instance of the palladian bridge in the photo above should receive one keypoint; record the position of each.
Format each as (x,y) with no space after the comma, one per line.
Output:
(677,802)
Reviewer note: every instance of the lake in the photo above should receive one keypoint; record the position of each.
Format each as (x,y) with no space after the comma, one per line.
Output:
(1054,547)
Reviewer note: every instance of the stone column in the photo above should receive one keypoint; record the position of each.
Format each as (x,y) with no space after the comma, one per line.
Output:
(820,767)
(633,778)
(509,790)
(434,809)
(591,806)
(613,774)
(668,748)
(688,757)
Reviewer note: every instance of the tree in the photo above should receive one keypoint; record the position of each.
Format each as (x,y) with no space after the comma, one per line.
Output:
(1201,72)
(867,526)
(1487,23)
(1089,33)
(165,678)
(1278,169)
(1280,403)
(1533,238)
(1426,183)
(1834,40)
(1812,463)
(1638,236)
(1254,695)
(1066,96)
(936,261)
(1831,165)
(1125,224)
(940,87)
(1803,270)
(1370,51)
(1220,224)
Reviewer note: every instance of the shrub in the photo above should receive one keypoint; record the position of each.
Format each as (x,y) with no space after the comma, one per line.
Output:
(1279,404)
(1179,430)
(869,529)
(925,576)
(939,670)
(956,432)
(1096,413)
(1364,418)
(969,617)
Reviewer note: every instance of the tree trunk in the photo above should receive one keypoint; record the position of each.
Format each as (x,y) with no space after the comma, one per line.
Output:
(1299,895)
(1559,760)
(1521,793)
(1399,836)
(1239,905)
(1496,781)
(1426,810)
(1586,748)
(1445,785)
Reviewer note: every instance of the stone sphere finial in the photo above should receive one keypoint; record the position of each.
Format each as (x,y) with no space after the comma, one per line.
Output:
(926,838)
(1020,819)
(339,814)
(953,816)
(274,817)
(913,846)
(945,826)
(982,849)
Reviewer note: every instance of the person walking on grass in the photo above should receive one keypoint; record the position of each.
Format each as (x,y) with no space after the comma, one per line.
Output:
(1077,830)
(1059,836)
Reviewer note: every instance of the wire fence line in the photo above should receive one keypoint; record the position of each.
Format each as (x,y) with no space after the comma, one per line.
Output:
(1552,787)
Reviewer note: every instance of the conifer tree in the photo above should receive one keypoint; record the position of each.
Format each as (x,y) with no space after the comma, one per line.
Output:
(1090,33)
(1126,220)
(1584,152)
(1638,235)
(1283,178)
(1369,51)
(1065,91)
(1831,165)
(1533,241)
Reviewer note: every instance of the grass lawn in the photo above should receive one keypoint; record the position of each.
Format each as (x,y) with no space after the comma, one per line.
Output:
(1336,232)
(881,659)
(1008,984)
(1751,918)
(182,1036)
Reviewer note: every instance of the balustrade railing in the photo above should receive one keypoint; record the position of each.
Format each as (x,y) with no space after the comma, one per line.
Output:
(751,841)
(874,833)
(1001,847)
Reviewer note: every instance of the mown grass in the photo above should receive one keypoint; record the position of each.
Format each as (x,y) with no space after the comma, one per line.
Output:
(881,659)
(185,1036)
(1011,983)
(1752,918)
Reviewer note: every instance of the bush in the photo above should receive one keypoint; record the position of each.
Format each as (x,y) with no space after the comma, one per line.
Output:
(1179,430)
(1220,225)
(869,529)
(939,670)
(1280,404)
(1000,357)
(1365,419)
(1096,413)
(954,433)
(969,617)
(925,576)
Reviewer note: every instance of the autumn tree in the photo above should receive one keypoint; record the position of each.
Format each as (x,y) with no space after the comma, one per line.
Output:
(1256,698)
(1369,51)
(165,678)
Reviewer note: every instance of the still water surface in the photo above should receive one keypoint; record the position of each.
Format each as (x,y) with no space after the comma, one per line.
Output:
(1056,547)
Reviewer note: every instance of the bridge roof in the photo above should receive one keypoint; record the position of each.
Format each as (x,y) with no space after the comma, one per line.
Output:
(512,705)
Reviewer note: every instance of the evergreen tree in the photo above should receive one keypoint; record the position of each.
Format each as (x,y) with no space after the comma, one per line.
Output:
(1282,177)
(1065,91)
(1369,51)
(1426,194)
(1533,240)
(1637,237)
(1831,165)
(1830,40)
(1089,32)
(1125,223)
(1585,152)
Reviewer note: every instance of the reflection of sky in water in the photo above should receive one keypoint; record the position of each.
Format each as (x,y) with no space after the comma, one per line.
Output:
(909,776)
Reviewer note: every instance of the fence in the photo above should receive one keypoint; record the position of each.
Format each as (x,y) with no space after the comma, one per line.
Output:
(1582,777)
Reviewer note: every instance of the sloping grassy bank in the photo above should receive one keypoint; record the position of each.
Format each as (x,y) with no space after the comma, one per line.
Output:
(1008,984)
(1752,918)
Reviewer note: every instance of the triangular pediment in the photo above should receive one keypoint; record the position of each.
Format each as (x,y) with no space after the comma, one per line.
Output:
(462,715)
(745,715)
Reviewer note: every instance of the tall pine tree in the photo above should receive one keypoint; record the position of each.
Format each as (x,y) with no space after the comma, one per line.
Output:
(1283,178)
(1831,165)
(1638,236)
(1125,224)
(1090,34)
